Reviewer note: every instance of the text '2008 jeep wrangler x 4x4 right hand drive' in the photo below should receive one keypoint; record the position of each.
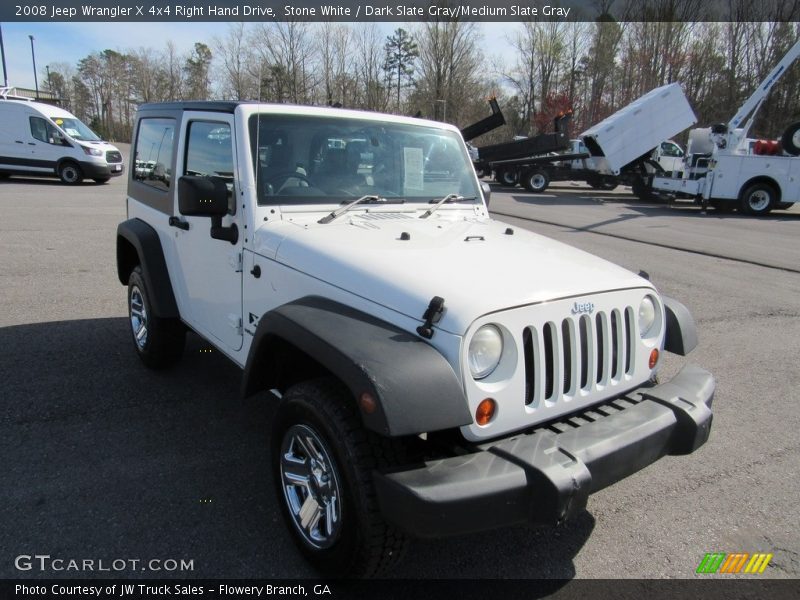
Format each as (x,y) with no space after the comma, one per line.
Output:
(439,372)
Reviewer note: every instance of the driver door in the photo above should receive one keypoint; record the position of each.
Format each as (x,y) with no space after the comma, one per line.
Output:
(210,270)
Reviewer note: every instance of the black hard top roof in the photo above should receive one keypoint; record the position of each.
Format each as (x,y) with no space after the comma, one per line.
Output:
(208,105)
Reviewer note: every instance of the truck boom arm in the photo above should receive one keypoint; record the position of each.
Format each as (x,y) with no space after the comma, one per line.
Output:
(762,91)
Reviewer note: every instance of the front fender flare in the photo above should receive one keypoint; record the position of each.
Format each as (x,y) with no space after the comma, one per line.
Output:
(415,388)
(681,336)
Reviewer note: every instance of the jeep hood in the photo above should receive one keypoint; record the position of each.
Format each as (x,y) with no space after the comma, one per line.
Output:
(475,265)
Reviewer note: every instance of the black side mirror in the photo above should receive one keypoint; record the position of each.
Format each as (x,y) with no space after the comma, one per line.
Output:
(206,197)
(202,196)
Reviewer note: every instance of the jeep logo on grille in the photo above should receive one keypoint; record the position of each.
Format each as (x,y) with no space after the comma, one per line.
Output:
(582,307)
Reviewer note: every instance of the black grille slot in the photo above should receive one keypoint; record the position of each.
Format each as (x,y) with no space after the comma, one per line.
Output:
(112,156)
(615,343)
(601,355)
(629,339)
(566,345)
(583,334)
(530,365)
(549,360)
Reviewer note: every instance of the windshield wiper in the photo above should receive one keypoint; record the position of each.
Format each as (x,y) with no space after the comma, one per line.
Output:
(446,200)
(368,199)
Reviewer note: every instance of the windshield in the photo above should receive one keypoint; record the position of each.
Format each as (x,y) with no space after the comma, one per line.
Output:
(76,129)
(304,160)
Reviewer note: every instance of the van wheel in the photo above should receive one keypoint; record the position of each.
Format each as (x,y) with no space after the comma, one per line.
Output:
(102,179)
(758,199)
(70,173)
(784,205)
(158,342)
(535,181)
(322,461)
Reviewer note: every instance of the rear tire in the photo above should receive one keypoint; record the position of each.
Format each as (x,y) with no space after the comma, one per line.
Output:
(784,205)
(322,462)
(758,199)
(535,180)
(599,182)
(158,342)
(70,173)
(507,178)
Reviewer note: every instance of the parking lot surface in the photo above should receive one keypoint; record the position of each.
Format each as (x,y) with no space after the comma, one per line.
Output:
(105,459)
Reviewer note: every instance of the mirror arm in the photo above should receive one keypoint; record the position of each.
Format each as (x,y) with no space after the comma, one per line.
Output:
(228,234)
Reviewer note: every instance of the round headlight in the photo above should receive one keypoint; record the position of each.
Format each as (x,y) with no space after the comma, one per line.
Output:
(485,350)
(647,315)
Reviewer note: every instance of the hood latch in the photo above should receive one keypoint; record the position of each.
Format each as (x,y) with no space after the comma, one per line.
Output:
(432,315)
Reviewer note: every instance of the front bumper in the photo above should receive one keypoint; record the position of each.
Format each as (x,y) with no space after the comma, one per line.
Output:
(546,476)
(94,170)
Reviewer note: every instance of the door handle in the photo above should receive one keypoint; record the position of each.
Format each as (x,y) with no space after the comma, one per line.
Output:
(18,142)
(176,222)
(31,144)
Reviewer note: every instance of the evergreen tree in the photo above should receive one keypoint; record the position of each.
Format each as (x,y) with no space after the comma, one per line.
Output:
(401,52)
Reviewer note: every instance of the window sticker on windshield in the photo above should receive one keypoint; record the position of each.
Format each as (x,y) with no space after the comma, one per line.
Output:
(58,122)
(72,132)
(412,177)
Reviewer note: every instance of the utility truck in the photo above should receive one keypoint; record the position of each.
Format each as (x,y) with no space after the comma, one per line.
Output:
(727,169)
(629,147)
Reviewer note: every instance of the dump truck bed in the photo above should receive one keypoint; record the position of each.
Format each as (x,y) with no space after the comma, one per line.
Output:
(635,130)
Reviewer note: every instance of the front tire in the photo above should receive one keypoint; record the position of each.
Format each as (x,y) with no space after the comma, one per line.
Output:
(322,462)
(158,342)
(758,199)
(70,173)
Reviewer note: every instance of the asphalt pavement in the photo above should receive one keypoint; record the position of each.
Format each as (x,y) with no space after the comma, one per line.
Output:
(103,459)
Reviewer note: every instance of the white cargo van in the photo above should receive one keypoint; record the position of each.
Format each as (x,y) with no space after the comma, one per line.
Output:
(41,139)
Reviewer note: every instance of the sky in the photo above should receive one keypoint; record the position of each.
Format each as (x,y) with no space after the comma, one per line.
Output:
(69,42)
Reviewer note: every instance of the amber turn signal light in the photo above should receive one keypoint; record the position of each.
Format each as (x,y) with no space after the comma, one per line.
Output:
(485,411)
(653,358)
(367,403)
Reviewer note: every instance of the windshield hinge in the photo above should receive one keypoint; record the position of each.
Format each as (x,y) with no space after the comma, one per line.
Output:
(235,321)
(432,315)
(235,260)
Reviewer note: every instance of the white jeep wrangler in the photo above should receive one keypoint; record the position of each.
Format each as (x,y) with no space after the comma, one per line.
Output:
(439,372)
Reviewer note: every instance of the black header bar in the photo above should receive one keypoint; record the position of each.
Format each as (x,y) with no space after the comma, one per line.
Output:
(397,10)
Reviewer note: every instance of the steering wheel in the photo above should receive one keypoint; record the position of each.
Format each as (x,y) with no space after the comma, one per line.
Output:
(283,177)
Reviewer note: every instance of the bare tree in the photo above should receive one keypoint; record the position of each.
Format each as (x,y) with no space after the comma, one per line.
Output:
(450,68)
(235,64)
(286,52)
(372,78)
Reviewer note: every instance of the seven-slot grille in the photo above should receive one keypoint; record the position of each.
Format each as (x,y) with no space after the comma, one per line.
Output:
(112,156)
(581,353)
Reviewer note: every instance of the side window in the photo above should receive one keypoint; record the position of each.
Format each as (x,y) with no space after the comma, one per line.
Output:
(670,149)
(44,131)
(209,150)
(209,153)
(153,154)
